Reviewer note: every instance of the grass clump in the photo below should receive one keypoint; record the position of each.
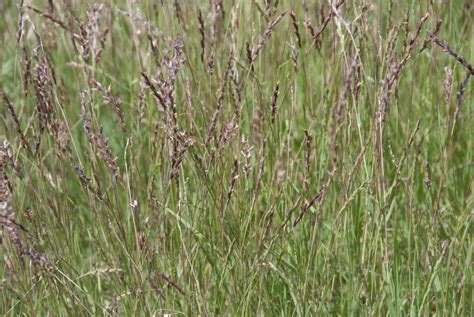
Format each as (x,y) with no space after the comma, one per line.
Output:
(236,157)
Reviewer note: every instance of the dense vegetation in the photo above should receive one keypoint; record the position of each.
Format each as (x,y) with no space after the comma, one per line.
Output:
(236,157)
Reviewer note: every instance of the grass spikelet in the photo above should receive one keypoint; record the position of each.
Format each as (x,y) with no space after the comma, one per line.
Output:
(273,104)
(15,119)
(294,25)
(99,143)
(265,37)
(203,36)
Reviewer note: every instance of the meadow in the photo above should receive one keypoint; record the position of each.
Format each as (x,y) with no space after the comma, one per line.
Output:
(236,158)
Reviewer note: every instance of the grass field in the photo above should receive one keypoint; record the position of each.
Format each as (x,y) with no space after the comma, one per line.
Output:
(277,158)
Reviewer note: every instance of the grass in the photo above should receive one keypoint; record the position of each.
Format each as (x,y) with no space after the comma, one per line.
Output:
(236,158)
